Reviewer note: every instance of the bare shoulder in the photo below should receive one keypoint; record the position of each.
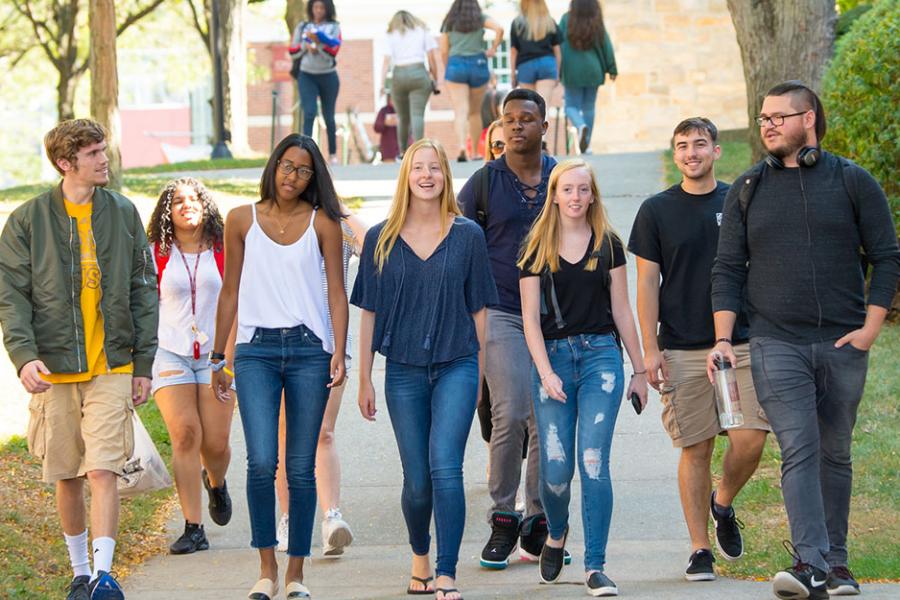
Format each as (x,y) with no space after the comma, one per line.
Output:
(326,226)
(240,218)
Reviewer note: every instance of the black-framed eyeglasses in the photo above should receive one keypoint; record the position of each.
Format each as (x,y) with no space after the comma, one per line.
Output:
(498,145)
(777,120)
(304,173)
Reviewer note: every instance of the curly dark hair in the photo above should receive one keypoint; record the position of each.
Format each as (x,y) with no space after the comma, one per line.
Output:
(464,16)
(585,27)
(160,228)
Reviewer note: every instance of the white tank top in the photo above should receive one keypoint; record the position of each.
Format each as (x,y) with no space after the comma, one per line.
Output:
(175,313)
(281,286)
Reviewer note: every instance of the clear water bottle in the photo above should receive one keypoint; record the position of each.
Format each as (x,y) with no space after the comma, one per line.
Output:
(728,398)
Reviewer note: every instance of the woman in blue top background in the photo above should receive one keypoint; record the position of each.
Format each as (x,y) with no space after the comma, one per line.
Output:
(423,286)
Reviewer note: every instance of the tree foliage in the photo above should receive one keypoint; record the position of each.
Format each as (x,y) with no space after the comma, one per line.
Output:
(860,90)
(58,29)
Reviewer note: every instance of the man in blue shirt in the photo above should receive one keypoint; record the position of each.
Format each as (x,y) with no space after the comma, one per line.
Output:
(516,191)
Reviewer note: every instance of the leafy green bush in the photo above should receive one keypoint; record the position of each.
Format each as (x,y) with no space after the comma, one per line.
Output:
(860,91)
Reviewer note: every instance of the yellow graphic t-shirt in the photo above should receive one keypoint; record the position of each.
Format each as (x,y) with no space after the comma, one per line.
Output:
(90,302)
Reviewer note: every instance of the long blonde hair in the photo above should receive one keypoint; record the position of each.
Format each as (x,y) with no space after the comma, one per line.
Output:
(399,207)
(404,21)
(541,245)
(537,20)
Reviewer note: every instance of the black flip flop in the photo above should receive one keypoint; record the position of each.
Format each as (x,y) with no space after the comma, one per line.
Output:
(424,581)
(446,591)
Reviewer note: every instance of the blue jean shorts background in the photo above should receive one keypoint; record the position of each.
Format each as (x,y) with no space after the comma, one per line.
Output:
(471,70)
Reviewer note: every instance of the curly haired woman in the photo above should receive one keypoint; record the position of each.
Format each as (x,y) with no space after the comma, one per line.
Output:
(186,233)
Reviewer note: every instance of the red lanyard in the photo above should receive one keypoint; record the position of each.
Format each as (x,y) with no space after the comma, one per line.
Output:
(193,281)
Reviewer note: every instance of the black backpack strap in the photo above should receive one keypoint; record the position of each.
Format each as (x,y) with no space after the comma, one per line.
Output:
(482,195)
(748,184)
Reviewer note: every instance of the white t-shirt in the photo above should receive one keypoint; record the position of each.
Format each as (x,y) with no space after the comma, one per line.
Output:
(410,47)
(175,316)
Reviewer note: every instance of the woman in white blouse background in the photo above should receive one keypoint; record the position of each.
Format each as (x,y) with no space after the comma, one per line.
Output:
(411,55)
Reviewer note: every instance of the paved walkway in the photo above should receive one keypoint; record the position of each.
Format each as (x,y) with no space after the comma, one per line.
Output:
(648,541)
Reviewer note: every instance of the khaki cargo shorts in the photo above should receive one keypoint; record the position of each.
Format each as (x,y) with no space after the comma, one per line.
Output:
(79,427)
(689,401)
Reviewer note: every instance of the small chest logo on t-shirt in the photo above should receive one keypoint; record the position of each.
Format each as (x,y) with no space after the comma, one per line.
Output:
(719,219)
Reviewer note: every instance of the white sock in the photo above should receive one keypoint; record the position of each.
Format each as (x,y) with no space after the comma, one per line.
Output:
(78,553)
(103,554)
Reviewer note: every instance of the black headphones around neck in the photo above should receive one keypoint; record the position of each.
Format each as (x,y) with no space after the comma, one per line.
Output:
(807,157)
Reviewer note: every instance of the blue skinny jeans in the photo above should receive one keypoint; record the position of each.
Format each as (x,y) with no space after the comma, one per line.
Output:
(431,410)
(292,360)
(590,367)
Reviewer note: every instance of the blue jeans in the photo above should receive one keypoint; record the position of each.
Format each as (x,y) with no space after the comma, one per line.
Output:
(471,70)
(580,103)
(590,367)
(811,393)
(325,86)
(431,411)
(274,360)
(537,69)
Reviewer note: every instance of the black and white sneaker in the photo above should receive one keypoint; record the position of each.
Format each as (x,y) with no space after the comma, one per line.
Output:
(552,561)
(503,541)
(78,589)
(700,566)
(598,584)
(728,531)
(192,540)
(841,582)
(800,581)
(219,501)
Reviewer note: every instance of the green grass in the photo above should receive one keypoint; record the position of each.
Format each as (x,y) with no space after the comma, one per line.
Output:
(200,165)
(735,160)
(874,544)
(34,562)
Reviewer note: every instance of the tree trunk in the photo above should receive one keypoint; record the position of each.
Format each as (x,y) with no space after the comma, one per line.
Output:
(105,82)
(294,14)
(781,41)
(234,73)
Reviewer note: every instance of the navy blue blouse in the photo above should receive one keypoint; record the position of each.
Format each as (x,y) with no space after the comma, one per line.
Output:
(423,308)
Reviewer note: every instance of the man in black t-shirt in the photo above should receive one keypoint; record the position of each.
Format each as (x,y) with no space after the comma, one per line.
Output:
(674,237)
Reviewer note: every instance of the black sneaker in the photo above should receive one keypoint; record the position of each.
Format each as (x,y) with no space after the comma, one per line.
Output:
(503,541)
(598,584)
(192,540)
(728,531)
(78,589)
(105,587)
(552,561)
(841,582)
(219,501)
(700,566)
(800,581)
(532,535)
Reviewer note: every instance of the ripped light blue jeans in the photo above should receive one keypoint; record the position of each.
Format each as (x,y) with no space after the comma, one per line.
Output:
(590,367)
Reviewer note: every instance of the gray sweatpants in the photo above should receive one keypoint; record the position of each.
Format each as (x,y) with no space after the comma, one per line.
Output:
(508,372)
(810,393)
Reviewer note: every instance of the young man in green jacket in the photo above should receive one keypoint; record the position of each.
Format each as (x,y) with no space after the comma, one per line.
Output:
(79,311)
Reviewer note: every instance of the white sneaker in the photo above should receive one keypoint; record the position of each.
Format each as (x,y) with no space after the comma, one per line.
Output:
(520,501)
(281,534)
(336,534)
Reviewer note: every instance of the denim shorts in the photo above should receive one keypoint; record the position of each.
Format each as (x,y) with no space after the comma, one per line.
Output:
(471,70)
(537,69)
(184,369)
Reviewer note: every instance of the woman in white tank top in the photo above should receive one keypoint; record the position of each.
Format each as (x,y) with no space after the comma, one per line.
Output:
(274,252)
(186,235)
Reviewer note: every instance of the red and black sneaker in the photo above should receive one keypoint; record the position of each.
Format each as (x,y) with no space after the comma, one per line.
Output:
(503,541)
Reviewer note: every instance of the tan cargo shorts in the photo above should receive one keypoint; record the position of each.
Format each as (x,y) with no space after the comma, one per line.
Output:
(689,402)
(79,427)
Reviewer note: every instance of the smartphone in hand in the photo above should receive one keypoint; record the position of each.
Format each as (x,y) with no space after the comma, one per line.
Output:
(636,402)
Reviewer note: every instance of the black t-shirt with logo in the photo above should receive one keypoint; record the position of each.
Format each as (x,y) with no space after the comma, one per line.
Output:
(680,232)
(583,296)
